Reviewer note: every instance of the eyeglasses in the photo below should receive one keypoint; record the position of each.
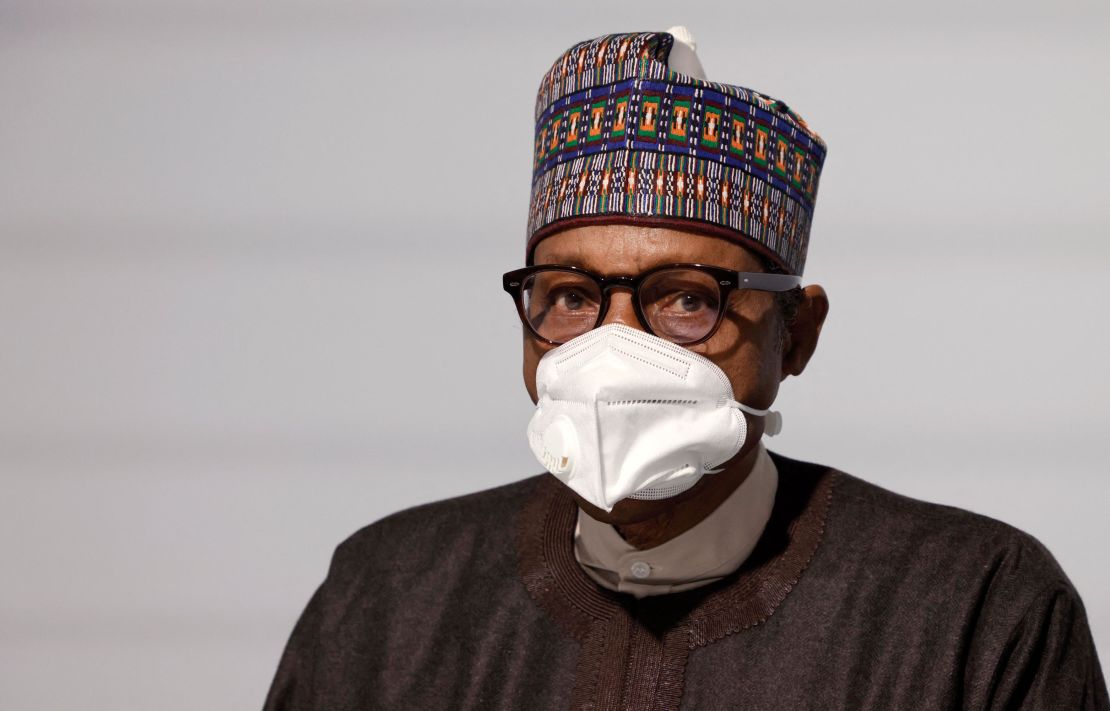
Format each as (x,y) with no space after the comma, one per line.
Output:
(683,303)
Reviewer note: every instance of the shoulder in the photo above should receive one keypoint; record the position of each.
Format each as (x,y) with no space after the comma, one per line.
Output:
(474,526)
(969,594)
(945,531)
(884,532)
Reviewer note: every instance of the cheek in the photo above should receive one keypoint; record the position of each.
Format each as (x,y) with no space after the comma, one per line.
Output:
(746,348)
(533,351)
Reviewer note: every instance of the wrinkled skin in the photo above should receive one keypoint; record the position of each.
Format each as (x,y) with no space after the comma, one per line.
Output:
(750,346)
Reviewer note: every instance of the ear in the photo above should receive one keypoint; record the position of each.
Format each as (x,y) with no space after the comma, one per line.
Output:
(802,335)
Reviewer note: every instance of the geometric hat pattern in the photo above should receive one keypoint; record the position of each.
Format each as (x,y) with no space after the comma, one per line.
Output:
(621,137)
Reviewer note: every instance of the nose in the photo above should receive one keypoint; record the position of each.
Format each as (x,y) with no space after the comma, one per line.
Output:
(621,310)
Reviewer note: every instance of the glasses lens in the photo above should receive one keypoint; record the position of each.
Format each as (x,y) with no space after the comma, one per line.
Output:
(561,305)
(681,305)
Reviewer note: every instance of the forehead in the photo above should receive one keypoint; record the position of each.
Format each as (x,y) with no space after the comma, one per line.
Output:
(630,249)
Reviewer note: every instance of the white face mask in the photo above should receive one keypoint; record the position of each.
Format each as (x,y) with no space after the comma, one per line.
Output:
(622,413)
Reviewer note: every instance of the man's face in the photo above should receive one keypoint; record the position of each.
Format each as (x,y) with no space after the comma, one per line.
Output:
(749,345)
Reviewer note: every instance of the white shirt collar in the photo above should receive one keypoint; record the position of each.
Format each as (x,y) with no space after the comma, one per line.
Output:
(713,548)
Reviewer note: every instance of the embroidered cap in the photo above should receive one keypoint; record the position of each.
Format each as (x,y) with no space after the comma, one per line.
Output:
(623,136)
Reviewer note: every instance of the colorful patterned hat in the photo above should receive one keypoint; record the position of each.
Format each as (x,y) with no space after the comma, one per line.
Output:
(621,137)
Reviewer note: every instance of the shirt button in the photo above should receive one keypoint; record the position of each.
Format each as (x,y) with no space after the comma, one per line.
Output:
(640,569)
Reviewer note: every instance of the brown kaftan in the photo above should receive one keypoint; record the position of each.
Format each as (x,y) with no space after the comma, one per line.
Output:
(854,598)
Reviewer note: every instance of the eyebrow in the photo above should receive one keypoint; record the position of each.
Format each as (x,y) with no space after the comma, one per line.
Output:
(593,270)
(562,260)
(604,270)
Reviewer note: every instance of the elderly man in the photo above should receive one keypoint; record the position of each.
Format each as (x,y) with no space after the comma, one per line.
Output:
(668,560)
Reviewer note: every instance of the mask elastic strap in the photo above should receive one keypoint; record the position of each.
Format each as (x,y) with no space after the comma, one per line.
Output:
(772,419)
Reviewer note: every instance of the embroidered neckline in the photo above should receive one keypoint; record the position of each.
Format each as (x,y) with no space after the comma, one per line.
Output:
(653,636)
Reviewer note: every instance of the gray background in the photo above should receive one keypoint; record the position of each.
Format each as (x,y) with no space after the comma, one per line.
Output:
(249,292)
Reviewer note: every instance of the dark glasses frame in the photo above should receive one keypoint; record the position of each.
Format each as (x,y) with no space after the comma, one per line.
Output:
(728,280)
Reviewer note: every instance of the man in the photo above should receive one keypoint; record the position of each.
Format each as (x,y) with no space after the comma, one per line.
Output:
(668,560)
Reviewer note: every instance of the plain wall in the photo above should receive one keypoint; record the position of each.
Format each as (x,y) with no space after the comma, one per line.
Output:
(250,259)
